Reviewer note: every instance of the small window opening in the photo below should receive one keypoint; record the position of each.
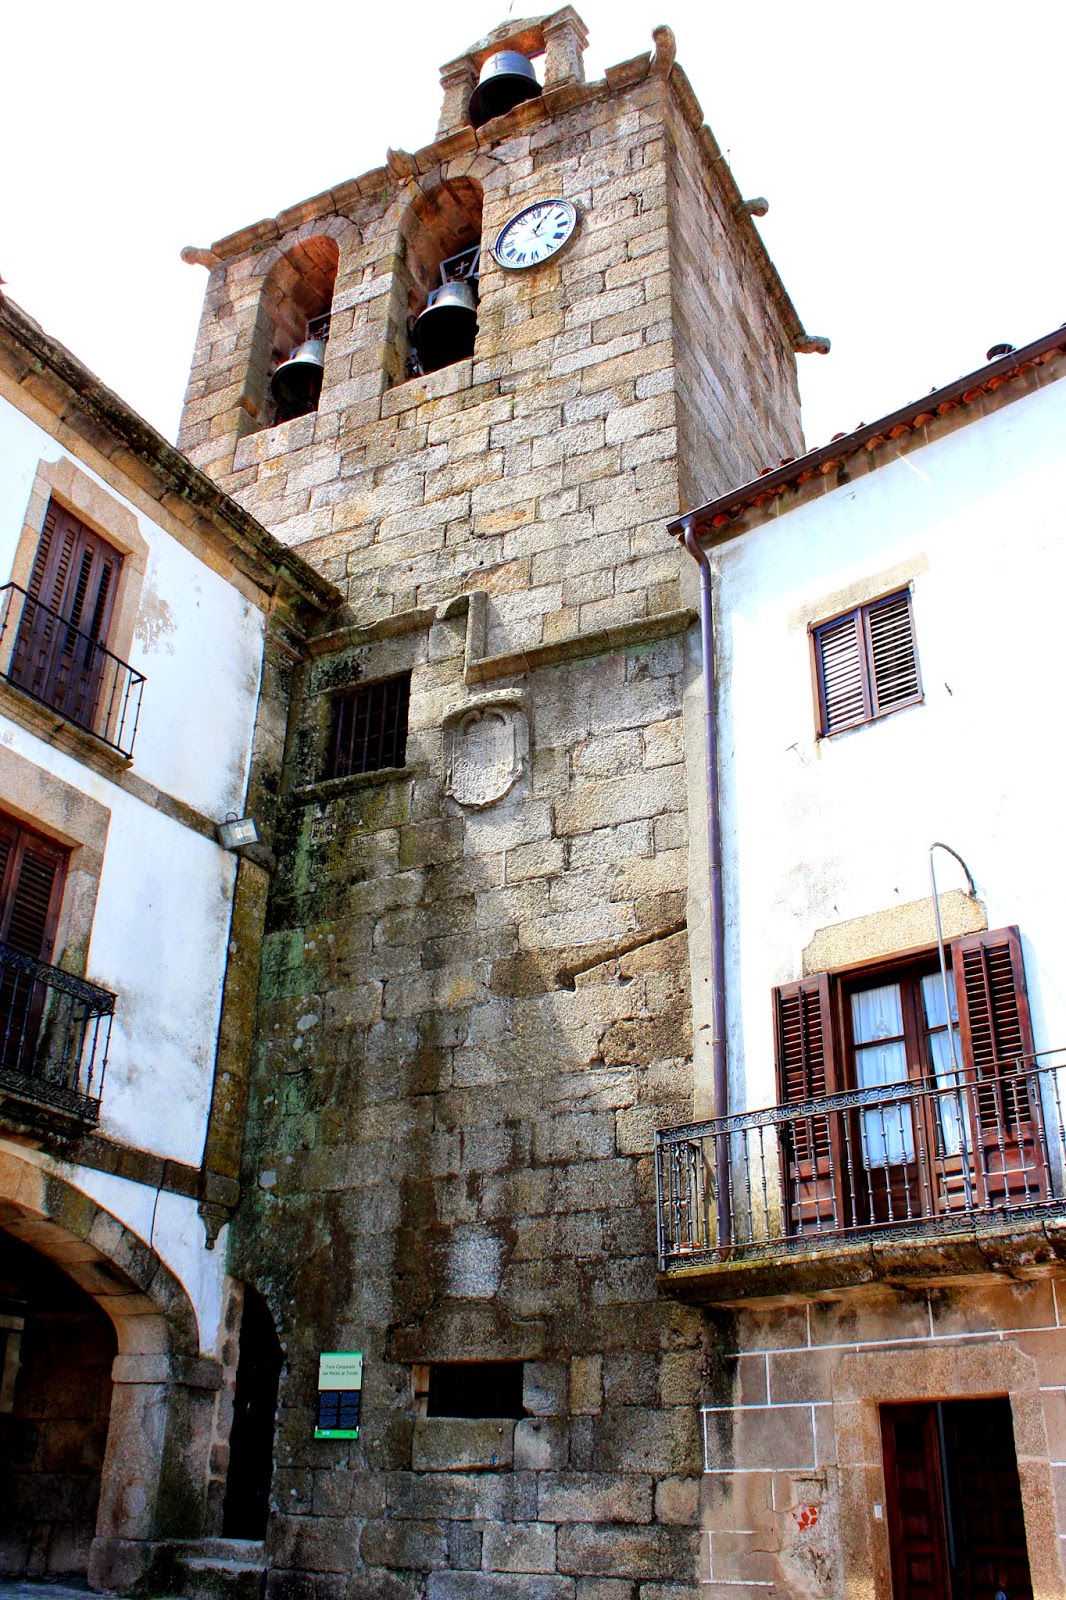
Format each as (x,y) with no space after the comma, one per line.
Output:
(369,730)
(475,1389)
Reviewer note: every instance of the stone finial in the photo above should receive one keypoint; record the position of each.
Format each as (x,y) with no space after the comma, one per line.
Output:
(662,62)
(458,80)
(401,165)
(194,256)
(565,38)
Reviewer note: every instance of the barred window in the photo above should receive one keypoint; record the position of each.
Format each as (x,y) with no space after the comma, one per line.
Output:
(866,663)
(370,727)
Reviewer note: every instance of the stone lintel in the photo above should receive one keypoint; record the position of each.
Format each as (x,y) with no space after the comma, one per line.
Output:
(892,932)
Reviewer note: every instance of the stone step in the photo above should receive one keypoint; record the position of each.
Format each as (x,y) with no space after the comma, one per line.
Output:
(216,1569)
(247,1550)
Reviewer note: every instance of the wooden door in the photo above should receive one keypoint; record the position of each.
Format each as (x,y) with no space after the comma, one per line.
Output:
(59,652)
(985,1495)
(914,1503)
(954,1514)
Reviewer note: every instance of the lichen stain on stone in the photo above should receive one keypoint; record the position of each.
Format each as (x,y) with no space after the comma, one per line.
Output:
(155,620)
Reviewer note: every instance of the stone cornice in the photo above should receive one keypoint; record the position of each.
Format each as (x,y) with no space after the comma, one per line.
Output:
(54,377)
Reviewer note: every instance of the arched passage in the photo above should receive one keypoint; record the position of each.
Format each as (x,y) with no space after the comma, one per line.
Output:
(58,1352)
(154,1472)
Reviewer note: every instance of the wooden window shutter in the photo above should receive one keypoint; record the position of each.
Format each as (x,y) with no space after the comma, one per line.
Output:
(806,1070)
(867,663)
(806,1063)
(997,1047)
(993,1004)
(842,684)
(893,657)
(32,870)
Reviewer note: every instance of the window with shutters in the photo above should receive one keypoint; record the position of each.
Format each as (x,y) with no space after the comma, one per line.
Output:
(866,663)
(369,730)
(32,870)
(60,652)
(949,1115)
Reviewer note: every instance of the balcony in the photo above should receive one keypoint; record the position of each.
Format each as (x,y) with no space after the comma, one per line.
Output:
(54,1035)
(921,1176)
(58,665)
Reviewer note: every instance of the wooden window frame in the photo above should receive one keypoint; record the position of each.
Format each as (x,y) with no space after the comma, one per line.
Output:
(872,710)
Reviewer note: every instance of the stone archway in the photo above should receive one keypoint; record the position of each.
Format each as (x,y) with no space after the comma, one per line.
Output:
(153,1485)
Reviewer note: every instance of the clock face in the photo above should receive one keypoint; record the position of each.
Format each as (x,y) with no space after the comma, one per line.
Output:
(535,234)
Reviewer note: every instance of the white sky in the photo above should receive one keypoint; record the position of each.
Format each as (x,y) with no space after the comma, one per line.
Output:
(912,156)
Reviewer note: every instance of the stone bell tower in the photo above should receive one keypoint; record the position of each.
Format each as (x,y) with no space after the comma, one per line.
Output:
(475,1005)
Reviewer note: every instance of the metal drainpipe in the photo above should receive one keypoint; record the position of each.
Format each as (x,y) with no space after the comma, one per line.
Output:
(716,907)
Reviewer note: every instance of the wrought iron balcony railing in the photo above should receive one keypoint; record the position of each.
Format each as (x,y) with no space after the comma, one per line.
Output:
(948,1154)
(70,671)
(54,1035)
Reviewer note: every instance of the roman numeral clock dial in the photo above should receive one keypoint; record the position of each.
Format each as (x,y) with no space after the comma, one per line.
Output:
(534,235)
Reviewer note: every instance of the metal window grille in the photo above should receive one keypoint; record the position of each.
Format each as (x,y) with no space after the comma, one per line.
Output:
(370,727)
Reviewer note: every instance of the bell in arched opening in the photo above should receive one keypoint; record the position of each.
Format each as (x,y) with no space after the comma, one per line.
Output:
(506,79)
(446,329)
(297,383)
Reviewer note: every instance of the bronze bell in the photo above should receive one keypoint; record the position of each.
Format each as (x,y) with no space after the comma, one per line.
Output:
(446,329)
(297,384)
(506,79)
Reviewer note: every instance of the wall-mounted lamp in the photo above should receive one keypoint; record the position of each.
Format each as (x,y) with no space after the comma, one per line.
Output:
(236,832)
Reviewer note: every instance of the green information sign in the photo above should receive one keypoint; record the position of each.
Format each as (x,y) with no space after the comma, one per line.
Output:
(340,1383)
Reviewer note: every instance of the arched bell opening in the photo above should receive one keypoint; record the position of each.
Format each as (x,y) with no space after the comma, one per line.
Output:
(57,1349)
(291,333)
(255,1403)
(437,279)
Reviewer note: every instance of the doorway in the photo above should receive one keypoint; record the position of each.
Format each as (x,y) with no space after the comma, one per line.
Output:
(251,1461)
(953,1501)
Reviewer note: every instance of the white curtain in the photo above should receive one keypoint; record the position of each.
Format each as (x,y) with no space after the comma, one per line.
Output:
(949,1098)
(881,1060)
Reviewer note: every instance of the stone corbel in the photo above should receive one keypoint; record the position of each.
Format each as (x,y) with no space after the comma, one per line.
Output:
(662,62)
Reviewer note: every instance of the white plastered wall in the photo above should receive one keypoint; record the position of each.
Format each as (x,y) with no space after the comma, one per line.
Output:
(161,924)
(820,831)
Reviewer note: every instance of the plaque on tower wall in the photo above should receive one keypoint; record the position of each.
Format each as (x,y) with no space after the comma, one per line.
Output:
(486,750)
